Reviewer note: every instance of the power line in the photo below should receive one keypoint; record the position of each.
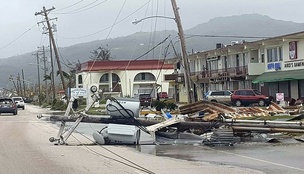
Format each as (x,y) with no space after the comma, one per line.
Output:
(81,9)
(116,18)
(109,26)
(230,36)
(17,38)
(69,6)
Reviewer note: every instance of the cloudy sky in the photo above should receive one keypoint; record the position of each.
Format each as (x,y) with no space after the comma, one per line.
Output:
(80,21)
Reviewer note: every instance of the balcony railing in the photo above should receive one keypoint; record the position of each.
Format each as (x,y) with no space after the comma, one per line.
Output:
(236,71)
(211,75)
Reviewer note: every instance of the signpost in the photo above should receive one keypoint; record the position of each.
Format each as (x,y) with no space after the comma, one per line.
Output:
(78,92)
(280,96)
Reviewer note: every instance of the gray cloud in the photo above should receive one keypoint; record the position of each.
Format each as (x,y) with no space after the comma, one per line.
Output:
(83,22)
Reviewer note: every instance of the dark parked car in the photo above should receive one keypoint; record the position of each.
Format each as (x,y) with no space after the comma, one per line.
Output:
(7,105)
(248,96)
(145,100)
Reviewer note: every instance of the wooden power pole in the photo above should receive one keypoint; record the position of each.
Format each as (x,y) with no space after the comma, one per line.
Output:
(45,12)
(188,83)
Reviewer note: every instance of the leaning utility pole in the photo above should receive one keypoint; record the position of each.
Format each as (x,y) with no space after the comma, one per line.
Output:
(24,94)
(188,83)
(44,12)
(52,73)
(45,71)
(38,71)
(19,83)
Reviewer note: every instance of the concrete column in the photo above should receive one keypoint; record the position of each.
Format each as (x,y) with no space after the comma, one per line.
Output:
(110,81)
(294,89)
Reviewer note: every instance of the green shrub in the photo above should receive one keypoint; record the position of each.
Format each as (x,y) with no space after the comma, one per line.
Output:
(158,104)
(171,106)
(102,101)
(59,105)
(164,104)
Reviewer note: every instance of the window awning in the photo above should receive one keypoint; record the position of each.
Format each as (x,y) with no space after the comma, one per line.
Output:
(278,76)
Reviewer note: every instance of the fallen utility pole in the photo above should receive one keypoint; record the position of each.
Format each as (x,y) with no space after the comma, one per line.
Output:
(268,130)
(265,122)
(182,126)
(286,126)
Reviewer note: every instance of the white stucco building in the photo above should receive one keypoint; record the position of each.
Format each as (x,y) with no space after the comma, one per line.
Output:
(125,78)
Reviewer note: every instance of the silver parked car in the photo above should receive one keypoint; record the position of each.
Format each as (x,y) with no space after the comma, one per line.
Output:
(222,96)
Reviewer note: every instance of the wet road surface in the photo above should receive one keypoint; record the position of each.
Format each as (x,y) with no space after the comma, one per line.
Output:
(287,156)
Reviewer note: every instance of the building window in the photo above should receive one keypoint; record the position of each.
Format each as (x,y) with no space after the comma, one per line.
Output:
(274,54)
(144,77)
(293,50)
(104,78)
(115,78)
(263,58)
(80,79)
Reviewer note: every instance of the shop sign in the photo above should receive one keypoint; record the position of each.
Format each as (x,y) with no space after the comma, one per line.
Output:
(294,64)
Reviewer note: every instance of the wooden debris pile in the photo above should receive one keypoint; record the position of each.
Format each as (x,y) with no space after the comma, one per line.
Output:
(208,111)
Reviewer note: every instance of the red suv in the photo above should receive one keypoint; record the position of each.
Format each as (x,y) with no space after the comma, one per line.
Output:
(145,100)
(248,96)
(163,95)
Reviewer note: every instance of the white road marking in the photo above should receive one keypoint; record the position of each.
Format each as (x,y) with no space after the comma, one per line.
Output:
(260,160)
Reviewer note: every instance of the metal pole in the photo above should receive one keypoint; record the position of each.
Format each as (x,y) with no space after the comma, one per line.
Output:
(260,129)
(24,95)
(39,89)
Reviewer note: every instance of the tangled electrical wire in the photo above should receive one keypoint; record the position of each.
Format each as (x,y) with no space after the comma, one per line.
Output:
(129,116)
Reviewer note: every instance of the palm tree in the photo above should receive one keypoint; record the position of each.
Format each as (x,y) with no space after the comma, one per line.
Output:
(101,53)
(69,77)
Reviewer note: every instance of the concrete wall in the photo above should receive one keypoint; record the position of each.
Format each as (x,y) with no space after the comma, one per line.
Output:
(127,79)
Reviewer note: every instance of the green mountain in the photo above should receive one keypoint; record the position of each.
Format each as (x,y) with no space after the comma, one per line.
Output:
(146,45)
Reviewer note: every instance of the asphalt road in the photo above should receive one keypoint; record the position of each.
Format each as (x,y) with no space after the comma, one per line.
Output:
(287,156)
(17,154)
(25,149)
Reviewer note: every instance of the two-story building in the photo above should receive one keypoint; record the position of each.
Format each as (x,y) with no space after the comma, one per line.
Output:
(125,78)
(272,65)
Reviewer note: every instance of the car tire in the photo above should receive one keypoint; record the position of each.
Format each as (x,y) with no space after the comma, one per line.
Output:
(238,103)
(261,102)
(15,113)
(23,107)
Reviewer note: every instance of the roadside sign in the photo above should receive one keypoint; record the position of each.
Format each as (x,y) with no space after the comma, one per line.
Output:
(280,96)
(77,92)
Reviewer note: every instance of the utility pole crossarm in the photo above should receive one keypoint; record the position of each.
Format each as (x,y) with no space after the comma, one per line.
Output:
(44,11)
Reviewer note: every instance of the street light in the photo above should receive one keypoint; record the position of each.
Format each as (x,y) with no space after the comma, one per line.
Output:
(138,21)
